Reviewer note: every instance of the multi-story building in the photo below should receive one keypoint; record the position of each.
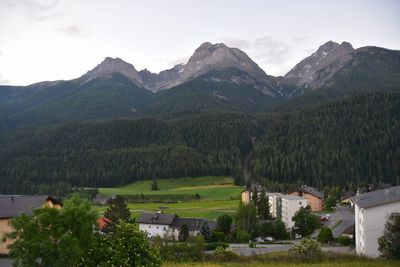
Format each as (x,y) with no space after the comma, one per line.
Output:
(274,200)
(314,197)
(289,206)
(372,210)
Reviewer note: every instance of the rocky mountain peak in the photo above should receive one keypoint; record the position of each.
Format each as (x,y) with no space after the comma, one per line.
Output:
(111,66)
(303,73)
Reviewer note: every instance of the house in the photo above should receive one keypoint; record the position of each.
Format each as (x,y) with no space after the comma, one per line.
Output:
(13,205)
(168,225)
(314,197)
(246,196)
(290,204)
(275,203)
(372,210)
(348,232)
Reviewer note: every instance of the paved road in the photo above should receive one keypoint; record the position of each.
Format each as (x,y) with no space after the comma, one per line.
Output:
(345,214)
(5,263)
(244,250)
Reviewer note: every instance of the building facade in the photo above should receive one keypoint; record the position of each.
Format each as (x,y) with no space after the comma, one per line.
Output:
(12,206)
(290,205)
(275,204)
(169,225)
(372,211)
(314,197)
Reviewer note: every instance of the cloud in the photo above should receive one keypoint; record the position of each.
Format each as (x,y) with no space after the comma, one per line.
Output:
(181,60)
(37,9)
(301,39)
(73,30)
(1,53)
(4,81)
(269,53)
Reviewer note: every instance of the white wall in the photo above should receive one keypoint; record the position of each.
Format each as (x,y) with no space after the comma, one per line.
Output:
(370,224)
(155,229)
(290,207)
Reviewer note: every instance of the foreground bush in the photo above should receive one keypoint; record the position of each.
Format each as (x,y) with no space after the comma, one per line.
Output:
(213,246)
(221,254)
(127,246)
(307,250)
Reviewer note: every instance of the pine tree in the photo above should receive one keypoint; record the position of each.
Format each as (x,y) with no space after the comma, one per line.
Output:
(263,206)
(118,211)
(205,231)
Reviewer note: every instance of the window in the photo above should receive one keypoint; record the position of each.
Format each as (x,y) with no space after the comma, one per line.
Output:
(157,227)
(149,226)
(164,228)
(394,215)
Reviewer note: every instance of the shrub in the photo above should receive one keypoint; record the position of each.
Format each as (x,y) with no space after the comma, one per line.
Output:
(306,250)
(221,254)
(252,245)
(345,240)
(325,235)
(213,246)
(218,236)
(242,237)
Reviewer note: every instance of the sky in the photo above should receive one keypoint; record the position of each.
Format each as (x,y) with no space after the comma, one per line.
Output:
(62,39)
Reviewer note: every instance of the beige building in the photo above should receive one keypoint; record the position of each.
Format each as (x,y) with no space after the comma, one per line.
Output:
(314,197)
(290,205)
(13,205)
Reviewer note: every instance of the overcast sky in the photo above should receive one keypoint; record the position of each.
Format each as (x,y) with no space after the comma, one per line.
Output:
(63,39)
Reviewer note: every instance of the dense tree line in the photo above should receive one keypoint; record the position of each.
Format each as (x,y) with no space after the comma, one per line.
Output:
(119,152)
(352,141)
(349,142)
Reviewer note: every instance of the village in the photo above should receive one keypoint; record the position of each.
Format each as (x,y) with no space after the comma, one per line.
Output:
(355,223)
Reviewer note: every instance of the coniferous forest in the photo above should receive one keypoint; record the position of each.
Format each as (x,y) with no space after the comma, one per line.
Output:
(348,142)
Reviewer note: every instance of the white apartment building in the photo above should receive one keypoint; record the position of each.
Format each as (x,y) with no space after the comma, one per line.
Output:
(290,205)
(274,200)
(372,210)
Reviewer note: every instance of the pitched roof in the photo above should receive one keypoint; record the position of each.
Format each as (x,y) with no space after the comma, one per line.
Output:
(291,197)
(192,223)
(156,218)
(377,198)
(310,190)
(13,205)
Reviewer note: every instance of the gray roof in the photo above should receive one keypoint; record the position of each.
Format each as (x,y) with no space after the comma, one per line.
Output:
(377,198)
(13,205)
(192,223)
(156,218)
(291,197)
(311,191)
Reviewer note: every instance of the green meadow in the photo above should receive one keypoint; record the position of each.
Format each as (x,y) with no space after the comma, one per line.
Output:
(218,195)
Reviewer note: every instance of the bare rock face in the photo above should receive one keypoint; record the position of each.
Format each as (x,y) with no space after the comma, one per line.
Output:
(217,57)
(331,54)
(111,66)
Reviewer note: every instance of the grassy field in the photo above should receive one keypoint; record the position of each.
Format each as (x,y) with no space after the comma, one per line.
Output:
(355,263)
(209,209)
(218,195)
(208,187)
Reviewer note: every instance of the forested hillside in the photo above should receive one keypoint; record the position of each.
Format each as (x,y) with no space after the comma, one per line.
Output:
(356,141)
(119,152)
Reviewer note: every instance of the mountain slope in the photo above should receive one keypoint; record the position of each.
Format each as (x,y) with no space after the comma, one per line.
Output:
(113,96)
(224,90)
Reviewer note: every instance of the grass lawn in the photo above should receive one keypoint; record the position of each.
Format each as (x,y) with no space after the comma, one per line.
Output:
(208,187)
(355,263)
(210,209)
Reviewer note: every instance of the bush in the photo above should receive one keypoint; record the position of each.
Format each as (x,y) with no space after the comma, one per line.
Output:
(345,240)
(252,245)
(242,237)
(306,250)
(325,235)
(213,246)
(218,236)
(221,254)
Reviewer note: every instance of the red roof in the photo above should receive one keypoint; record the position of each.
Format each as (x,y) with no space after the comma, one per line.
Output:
(102,222)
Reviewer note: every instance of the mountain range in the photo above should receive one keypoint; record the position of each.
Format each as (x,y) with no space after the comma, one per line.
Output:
(332,120)
(216,77)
